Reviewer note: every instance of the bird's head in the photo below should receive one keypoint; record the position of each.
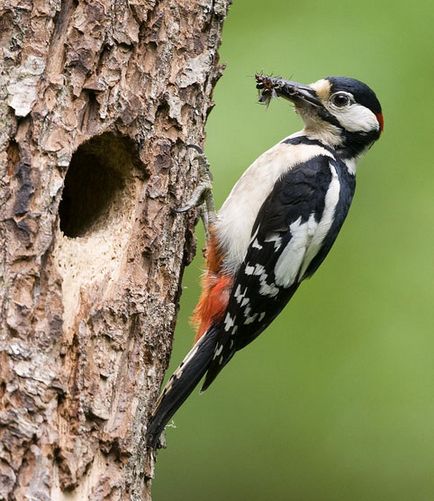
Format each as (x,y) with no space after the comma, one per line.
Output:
(340,111)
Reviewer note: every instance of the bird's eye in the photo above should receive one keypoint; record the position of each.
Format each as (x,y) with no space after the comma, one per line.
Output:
(340,99)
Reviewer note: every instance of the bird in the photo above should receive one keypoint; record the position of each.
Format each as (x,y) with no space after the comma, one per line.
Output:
(275,228)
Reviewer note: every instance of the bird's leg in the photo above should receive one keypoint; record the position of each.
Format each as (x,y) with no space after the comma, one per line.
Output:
(202,195)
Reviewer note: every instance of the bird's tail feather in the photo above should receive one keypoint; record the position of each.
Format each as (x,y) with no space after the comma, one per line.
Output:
(182,383)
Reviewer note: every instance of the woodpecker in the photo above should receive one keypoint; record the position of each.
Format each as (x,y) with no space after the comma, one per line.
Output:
(276,227)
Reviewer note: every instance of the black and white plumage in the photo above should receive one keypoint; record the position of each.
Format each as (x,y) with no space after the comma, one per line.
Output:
(293,232)
(277,225)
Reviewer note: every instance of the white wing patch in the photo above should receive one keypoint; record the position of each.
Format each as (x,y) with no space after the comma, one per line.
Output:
(240,295)
(307,239)
(276,238)
(229,322)
(291,260)
(250,319)
(249,270)
(259,271)
(256,245)
(218,351)
(324,225)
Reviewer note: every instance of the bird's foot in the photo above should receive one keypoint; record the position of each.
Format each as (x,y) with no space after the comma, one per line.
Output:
(202,195)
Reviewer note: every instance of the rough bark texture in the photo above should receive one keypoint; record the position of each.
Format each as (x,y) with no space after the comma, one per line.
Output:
(98,100)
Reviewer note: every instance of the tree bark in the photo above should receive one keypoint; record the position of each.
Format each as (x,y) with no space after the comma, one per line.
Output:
(98,103)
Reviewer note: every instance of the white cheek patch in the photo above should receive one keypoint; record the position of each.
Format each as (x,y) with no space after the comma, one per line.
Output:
(357,118)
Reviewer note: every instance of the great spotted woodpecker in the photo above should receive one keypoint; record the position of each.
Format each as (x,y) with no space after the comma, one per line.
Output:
(276,226)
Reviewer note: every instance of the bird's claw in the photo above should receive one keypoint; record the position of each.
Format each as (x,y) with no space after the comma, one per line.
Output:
(202,195)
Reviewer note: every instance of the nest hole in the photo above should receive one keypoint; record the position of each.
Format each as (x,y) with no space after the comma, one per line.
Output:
(97,179)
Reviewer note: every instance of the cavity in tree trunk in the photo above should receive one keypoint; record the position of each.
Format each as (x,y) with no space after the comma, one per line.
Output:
(98,102)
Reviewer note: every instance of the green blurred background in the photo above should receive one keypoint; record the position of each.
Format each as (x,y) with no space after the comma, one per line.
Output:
(335,401)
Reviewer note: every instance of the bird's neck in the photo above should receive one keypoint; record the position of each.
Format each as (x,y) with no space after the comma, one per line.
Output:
(324,132)
(347,149)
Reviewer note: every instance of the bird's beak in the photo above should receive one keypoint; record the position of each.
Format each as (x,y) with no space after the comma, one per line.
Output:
(293,91)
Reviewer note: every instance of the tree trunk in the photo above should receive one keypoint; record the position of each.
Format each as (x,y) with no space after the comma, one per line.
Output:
(98,102)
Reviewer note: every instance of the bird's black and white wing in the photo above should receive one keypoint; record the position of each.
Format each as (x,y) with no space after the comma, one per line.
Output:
(293,232)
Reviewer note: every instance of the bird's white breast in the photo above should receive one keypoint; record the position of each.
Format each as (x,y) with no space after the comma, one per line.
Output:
(237,215)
